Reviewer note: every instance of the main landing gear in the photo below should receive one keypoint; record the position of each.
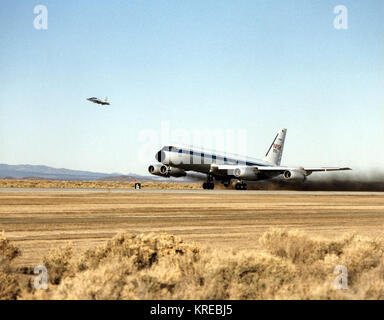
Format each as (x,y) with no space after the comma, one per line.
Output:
(226,183)
(241,186)
(209,185)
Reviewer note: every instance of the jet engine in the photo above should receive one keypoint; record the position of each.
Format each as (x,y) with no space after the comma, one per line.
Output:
(294,175)
(165,171)
(175,172)
(158,169)
(247,173)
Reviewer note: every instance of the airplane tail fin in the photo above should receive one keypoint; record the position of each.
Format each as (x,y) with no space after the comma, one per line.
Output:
(105,99)
(275,151)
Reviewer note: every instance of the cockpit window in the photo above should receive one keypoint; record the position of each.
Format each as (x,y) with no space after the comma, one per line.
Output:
(169,148)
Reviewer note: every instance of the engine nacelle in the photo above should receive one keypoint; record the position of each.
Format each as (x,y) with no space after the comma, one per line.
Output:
(294,175)
(247,173)
(175,172)
(166,171)
(158,169)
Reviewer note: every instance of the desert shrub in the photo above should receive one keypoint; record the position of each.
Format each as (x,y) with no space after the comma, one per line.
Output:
(8,251)
(315,260)
(371,284)
(297,246)
(125,268)
(361,255)
(58,263)
(143,250)
(119,269)
(284,265)
(9,288)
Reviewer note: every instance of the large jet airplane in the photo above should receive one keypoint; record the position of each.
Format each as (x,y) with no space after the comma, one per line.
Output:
(175,161)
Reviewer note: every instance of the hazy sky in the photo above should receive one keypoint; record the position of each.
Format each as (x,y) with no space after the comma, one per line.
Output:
(240,68)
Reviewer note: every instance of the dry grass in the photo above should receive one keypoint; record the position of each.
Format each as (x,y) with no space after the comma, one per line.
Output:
(9,287)
(58,262)
(283,265)
(63,184)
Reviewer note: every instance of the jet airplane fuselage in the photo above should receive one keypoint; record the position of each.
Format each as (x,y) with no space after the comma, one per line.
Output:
(176,161)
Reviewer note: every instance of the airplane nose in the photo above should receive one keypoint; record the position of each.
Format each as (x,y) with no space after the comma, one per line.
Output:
(160,156)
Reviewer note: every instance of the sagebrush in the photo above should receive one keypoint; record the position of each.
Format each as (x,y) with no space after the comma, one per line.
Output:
(285,264)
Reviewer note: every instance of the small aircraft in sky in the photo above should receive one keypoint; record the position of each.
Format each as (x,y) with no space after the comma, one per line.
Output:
(98,101)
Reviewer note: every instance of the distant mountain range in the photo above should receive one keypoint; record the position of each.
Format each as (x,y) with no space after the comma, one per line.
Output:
(26,171)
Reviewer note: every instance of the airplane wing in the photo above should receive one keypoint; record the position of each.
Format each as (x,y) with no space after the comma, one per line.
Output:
(228,169)
(223,169)
(326,169)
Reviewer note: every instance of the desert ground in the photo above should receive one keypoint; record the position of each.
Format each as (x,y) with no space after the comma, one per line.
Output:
(106,240)
(38,221)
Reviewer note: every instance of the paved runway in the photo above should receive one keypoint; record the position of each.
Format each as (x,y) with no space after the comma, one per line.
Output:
(183,191)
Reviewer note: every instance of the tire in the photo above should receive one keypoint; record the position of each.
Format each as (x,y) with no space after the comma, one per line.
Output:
(208,186)
(241,186)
